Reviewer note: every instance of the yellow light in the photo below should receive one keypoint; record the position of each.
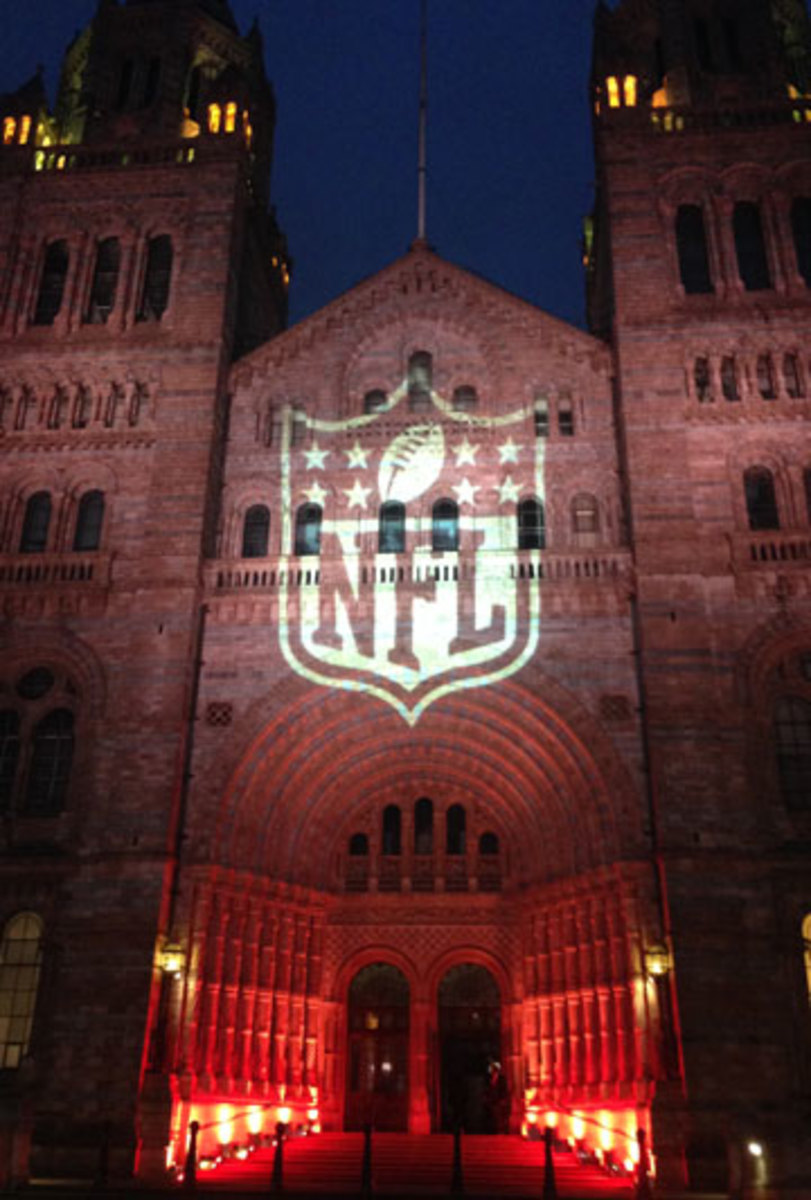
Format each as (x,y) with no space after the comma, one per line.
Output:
(241,1154)
(613,87)
(225,1124)
(628,1164)
(552,1119)
(254,1121)
(316,1128)
(60,162)
(39,161)
(657,960)
(629,87)
(793,92)
(633,1151)
(284,1115)
(25,130)
(9,129)
(578,1128)
(214,118)
(230,116)
(312,1114)
(532,1117)
(755,1149)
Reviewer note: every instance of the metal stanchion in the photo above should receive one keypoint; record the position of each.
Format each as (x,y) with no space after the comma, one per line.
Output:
(190,1166)
(643,1189)
(457,1177)
(550,1187)
(366,1166)
(277,1179)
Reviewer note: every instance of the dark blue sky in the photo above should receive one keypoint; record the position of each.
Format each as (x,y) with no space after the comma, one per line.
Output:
(509,140)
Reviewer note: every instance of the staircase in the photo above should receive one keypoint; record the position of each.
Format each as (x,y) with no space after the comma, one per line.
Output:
(405,1165)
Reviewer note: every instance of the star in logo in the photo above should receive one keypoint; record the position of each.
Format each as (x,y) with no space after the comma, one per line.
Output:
(315,457)
(357,456)
(316,494)
(356,496)
(508,452)
(465,454)
(508,492)
(466,492)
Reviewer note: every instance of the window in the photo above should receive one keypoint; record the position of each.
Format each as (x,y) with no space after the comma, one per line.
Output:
(125,78)
(420,380)
(542,417)
(20,963)
(214,118)
(750,247)
(256,531)
(51,760)
(89,520)
(465,399)
(105,282)
(153,75)
(792,377)
(585,513)
(445,525)
(488,845)
(358,845)
(703,380)
(308,530)
(765,377)
(391,528)
(374,401)
(37,519)
(424,826)
(193,91)
(792,728)
(455,830)
(565,418)
(807,483)
(691,244)
(157,278)
(392,824)
(761,501)
(531,524)
(729,379)
(801,228)
(9,755)
(52,283)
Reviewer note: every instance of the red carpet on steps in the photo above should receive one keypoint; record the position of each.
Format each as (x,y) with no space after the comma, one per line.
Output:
(330,1164)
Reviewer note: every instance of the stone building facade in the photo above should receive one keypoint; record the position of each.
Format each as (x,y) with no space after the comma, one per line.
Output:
(428,684)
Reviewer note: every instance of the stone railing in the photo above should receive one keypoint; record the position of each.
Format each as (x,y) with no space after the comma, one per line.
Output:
(76,569)
(772,549)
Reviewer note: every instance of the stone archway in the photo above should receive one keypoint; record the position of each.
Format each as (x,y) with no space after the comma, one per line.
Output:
(469,1044)
(377,1055)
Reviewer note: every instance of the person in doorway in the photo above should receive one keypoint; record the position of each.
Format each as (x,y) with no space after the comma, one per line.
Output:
(496,1098)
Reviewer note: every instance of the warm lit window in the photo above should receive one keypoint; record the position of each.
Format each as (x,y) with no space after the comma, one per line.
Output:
(308,530)
(105,281)
(157,278)
(792,376)
(36,522)
(703,380)
(20,964)
(629,90)
(52,283)
(691,245)
(256,531)
(25,130)
(51,761)
(9,130)
(531,524)
(585,513)
(801,229)
(750,247)
(391,528)
(761,499)
(214,118)
(89,521)
(729,379)
(765,377)
(230,117)
(613,90)
(445,525)
(792,732)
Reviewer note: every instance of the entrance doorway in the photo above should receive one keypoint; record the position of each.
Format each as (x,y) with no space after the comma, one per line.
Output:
(469,1043)
(377,1060)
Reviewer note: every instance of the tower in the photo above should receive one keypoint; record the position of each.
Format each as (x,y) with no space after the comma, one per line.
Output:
(699,275)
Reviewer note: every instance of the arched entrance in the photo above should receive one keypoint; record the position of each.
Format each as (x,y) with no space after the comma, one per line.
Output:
(469,1007)
(377,1057)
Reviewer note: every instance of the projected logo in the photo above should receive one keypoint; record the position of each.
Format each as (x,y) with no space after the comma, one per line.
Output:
(407,582)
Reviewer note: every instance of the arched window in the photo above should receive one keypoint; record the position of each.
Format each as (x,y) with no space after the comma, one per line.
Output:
(420,379)
(750,247)
(20,963)
(256,531)
(9,755)
(358,845)
(541,417)
(445,525)
(36,522)
(51,760)
(792,733)
(488,845)
(52,283)
(792,377)
(465,399)
(585,513)
(691,244)
(729,378)
(157,278)
(391,528)
(761,499)
(392,825)
(424,826)
(565,418)
(308,530)
(765,377)
(105,281)
(89,520)
(703,380)
(531,524)
(374,401)
(455,830)
(801,228)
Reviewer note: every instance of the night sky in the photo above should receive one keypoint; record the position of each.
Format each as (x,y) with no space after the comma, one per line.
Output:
(509,138)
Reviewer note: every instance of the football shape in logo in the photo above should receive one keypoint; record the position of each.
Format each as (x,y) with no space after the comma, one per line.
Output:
(412,463)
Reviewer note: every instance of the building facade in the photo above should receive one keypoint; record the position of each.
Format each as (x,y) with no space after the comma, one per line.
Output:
(426,685)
